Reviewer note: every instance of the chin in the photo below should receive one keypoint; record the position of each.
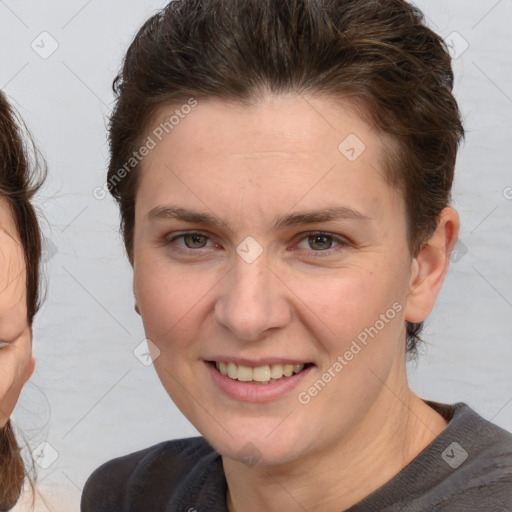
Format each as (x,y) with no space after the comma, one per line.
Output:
(261,445)
(259,453)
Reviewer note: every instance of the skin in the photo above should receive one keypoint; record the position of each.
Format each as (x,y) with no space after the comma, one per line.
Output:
(246,166)
(16,361)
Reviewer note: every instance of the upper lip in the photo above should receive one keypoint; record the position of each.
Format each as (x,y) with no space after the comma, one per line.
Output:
(257,362)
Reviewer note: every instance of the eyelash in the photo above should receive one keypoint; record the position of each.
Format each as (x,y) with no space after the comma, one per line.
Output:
(342,243)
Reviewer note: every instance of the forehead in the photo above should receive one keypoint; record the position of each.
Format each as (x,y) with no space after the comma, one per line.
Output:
(288,146)
(276,123)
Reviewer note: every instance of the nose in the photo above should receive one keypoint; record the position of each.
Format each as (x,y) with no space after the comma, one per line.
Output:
(253,300)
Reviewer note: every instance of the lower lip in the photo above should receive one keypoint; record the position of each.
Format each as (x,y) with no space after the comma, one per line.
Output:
(247,392)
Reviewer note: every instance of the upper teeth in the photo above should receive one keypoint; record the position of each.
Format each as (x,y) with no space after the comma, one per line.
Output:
(258,374)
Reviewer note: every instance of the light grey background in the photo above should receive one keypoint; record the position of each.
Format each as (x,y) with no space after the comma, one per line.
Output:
(90,398)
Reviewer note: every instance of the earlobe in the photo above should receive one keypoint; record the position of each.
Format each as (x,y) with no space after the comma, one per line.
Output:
(137,306)
(430,265)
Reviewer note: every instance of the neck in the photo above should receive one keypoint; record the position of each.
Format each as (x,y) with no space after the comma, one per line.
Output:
(390,436)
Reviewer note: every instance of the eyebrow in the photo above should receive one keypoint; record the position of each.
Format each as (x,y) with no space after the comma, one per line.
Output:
(292,219)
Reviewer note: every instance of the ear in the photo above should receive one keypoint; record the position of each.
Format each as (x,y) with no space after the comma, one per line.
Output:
(137,309)
(430,265)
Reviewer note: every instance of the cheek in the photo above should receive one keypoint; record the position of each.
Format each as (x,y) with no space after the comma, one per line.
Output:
(170,299)
(358,321)
(166,298)
(161,299)
(13,293)
(344,304)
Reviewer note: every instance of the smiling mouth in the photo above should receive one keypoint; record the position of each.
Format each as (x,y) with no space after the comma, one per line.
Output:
(266,374)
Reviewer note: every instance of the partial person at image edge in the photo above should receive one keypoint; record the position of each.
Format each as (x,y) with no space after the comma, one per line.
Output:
(20,252)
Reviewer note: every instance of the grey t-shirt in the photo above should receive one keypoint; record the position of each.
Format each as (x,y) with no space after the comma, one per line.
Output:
(467,468)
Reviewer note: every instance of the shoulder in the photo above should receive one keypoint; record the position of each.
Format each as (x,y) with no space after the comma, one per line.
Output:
(157,470)
(467,467)
(489,458)
(485,443)
(477,460)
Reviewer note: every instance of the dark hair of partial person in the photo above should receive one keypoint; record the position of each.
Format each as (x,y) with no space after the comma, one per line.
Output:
(378,54)
(22,172)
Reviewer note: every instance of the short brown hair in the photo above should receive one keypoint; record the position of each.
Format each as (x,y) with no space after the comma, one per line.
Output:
(18,184)
(377,53)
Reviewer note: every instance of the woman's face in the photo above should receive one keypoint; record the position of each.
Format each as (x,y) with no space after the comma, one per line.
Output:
(13,277)
(259,286)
